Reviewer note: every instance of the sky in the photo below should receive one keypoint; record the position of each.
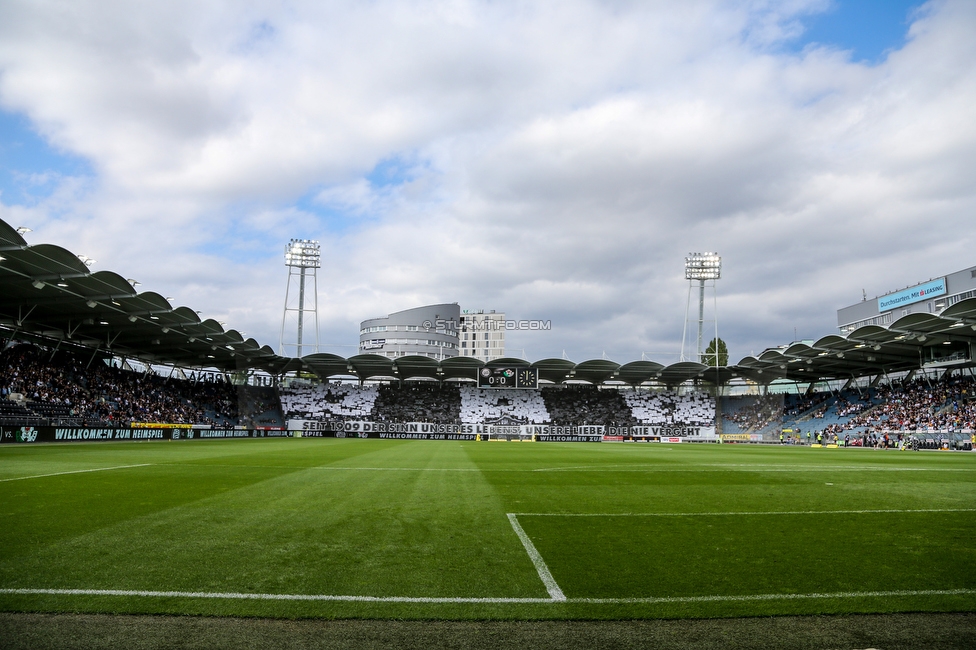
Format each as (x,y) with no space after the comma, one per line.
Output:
(554,161)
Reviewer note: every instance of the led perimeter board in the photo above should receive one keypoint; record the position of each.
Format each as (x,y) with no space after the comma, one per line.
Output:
(508,378)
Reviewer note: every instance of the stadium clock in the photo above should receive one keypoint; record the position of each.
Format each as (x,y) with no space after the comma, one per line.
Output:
(527,378)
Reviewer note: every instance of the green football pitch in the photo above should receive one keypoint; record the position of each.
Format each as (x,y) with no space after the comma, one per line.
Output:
(349,528)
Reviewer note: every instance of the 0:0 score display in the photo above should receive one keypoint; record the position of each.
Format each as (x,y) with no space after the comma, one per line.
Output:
(508,377)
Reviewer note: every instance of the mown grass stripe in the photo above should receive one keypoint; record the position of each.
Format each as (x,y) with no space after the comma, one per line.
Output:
(74,471)
(761,597)
(249,596)
(490,601)
(753,469)
(540,565)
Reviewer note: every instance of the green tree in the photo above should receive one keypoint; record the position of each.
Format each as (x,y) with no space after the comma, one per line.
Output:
(708,357)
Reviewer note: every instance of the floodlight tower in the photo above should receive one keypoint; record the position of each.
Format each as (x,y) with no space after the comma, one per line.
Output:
(303,258)
(701,267)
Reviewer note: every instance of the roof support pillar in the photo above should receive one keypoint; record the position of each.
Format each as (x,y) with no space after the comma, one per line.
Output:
(55,351)
(21,316)
(11,337)
(94,352)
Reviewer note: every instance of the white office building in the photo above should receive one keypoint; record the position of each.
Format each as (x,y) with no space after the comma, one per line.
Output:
(429,331)
(482,334)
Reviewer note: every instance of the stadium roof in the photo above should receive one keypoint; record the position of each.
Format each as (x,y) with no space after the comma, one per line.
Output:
(49,295)
(910,343)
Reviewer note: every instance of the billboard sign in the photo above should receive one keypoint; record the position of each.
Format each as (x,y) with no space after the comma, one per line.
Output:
(931,289)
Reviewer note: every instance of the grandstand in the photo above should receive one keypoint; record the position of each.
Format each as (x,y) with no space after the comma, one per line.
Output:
(61,370)
(43,387)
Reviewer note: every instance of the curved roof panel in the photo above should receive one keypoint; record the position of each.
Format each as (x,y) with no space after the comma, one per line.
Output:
(461,368)
(964,310)
(414,366)
(595,371)
(681,372)
(554,370)
(10,239)
(639,372)
(325,365)
(506,362)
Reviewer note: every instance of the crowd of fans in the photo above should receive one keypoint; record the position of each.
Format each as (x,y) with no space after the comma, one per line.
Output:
(754,413)
(574,405)
(670,408)
(525,406)
(62,387)
(847,408)
(805,403)
(864,419)
(568,405)
(947,405)
(418,402)
(332,400)
(841,407)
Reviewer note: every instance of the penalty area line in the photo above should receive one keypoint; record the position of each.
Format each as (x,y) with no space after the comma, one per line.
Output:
(74,471)
(663,600)
(736,514)
(540,565)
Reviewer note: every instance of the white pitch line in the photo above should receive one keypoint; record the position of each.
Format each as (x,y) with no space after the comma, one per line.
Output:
(540,565)
(400,469)
(587,468)
(739,468)
(731,514)
(74,471)
(475,601)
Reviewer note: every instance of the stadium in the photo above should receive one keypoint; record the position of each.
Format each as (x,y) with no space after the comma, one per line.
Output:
(156,464)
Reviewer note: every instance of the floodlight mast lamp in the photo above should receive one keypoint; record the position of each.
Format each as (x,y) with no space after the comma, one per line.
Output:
(701,267)
(302,257)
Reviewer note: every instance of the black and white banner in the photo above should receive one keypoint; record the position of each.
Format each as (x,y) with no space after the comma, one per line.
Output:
(540,432)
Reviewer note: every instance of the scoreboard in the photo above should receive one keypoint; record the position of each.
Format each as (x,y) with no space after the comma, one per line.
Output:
(508,378)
